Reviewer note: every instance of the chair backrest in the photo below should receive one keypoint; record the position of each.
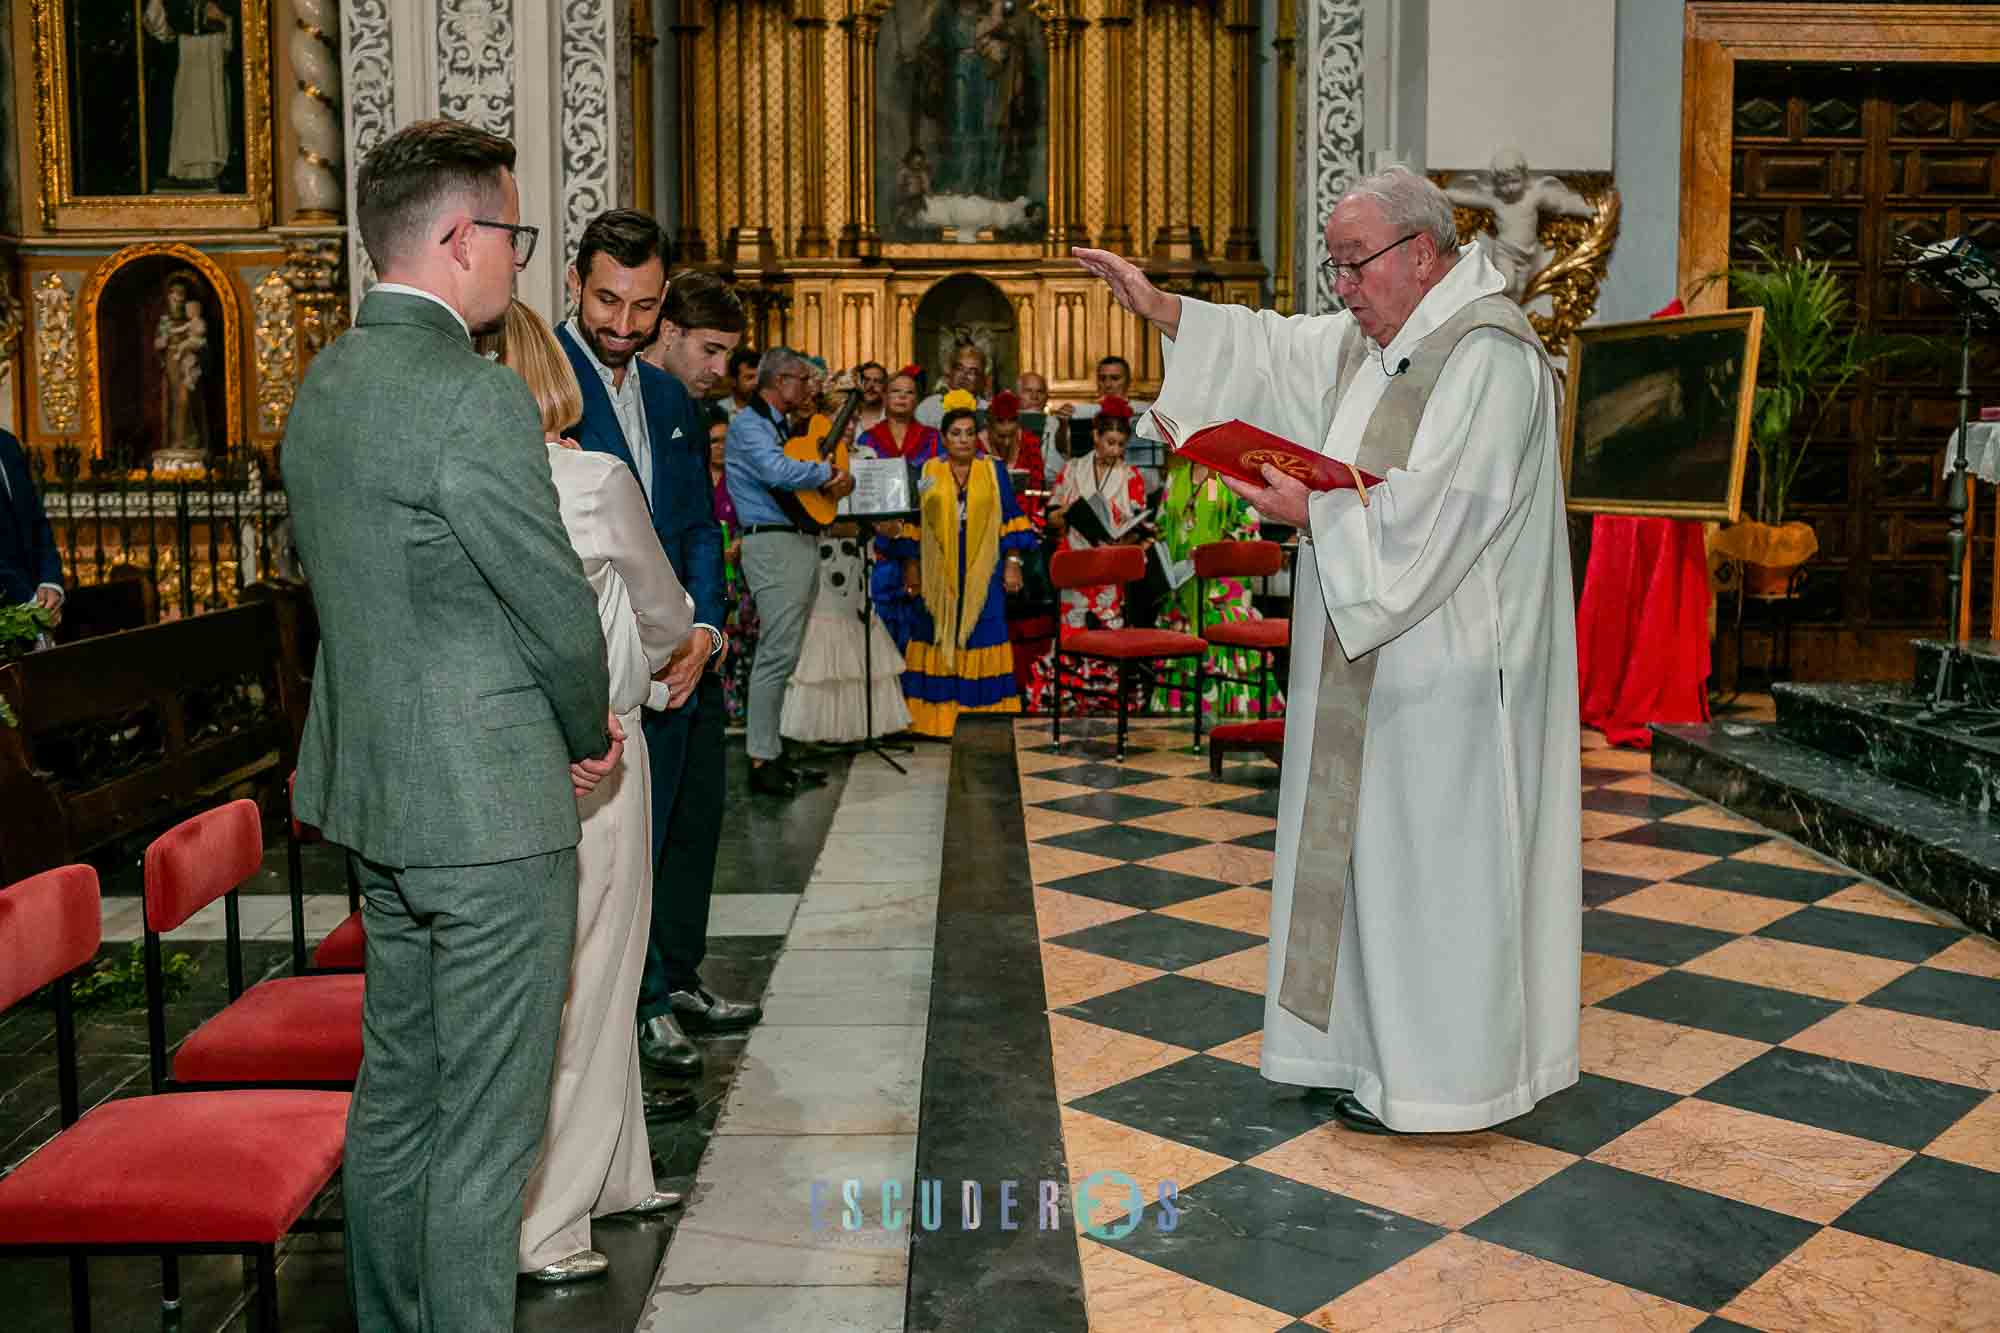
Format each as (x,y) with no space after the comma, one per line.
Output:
(1097,566)
(1238,560)
(50,925)
(199,860)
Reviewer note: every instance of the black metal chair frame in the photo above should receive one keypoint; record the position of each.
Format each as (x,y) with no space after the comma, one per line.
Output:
(295,877)
(1202,675)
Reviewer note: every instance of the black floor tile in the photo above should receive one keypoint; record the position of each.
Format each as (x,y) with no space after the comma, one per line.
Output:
(1244,775)
(1601,887)
(1264,803)
(1715,1323)
(1275,1241)
(1165,942)
(1267,841)
(1861,1100)
(1939,1207)
(1583,1118)
(1110,805)
(1719,1005)
(1696,1248)
(1690,838)
(1666,943)
(1213,1104)
(1634,803)
(1178,1010)
(1093,748)
(1762,881)
(1138,886)
(1858,932)
(1932,992)
(1122,842)
(1103,777)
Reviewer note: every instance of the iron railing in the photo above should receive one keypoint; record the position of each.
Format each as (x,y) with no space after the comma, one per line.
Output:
(197,537)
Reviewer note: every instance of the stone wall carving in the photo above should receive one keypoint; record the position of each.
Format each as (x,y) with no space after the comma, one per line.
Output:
(588,46)
(475,62)
(1327,155)
(56,363)
(371,98)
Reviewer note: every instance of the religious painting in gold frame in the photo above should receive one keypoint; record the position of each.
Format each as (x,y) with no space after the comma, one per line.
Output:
(153,114)
(1656,415)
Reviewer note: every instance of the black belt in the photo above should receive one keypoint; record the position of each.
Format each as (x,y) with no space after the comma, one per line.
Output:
(756,528)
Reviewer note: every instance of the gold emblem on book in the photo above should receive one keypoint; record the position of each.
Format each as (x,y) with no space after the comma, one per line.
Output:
(1289,464)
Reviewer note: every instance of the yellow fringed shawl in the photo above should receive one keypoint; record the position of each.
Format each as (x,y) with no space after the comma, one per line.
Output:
(954,616)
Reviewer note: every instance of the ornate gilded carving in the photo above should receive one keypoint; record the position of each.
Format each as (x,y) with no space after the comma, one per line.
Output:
(1284,45)
(316,109)
(277,350)
(312,272)
(231,342)
(55,354)
(63,209)
(1580,250)
(11,316)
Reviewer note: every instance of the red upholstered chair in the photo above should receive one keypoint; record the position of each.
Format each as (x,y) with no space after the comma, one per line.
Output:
(346,948)
(296,1032)
(1266,736)
(1266,638)
(189,1173)
(1132,651)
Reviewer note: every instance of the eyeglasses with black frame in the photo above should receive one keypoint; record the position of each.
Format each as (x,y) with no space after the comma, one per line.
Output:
(521,234)
(1351,272)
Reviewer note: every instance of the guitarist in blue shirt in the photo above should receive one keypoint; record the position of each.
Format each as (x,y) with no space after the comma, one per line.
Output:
(652,419)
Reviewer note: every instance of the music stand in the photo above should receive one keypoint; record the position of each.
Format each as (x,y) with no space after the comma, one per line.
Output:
(1967,277)
(865,549)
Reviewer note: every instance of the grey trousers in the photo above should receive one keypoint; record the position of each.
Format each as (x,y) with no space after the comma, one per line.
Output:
(782,569)
(467,969)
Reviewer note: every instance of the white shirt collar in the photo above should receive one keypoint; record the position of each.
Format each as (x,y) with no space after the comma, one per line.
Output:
(404,289)
(1472,277)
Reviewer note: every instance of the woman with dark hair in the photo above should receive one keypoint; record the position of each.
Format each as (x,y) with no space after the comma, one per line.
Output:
(899,434)
(959,565)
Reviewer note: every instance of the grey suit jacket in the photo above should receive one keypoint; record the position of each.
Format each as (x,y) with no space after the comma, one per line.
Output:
(460,667)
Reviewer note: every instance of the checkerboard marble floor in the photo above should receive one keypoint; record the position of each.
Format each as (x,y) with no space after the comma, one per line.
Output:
(1789,1115)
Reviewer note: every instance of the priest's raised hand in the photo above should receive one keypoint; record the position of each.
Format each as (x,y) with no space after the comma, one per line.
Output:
(1131,289)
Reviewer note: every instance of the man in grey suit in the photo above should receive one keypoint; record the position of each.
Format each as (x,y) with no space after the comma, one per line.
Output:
(459,705)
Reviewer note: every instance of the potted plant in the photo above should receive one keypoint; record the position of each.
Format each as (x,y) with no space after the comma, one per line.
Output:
(21,628)
(1812,350)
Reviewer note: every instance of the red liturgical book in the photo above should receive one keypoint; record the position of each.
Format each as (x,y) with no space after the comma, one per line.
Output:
(1238,449)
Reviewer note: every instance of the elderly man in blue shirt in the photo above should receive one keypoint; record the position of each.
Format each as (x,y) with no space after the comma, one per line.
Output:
(780,561)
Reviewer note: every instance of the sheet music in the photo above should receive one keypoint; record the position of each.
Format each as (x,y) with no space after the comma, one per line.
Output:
(881,486)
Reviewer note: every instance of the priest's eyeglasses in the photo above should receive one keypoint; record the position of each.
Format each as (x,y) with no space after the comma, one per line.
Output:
(522,235)
(1343,271)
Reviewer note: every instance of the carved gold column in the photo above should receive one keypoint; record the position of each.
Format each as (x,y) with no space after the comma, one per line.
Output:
(1059,30)
(1117,25)
(859,239)
(1241,24)
(1285,47)
(315,53)
(811,24)
(1178,240)
(644,40)
(687,30)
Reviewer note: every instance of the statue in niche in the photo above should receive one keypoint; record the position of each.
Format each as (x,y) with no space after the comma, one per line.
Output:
(181,339)
(1518,204)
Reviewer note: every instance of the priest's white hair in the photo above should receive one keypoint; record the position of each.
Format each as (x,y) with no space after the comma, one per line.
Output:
(1410,203)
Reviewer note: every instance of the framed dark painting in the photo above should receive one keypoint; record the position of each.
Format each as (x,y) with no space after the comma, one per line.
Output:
(1656,417)
(153,114)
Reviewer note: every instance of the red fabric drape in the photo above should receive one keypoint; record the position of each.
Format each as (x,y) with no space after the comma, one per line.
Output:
(1642,627)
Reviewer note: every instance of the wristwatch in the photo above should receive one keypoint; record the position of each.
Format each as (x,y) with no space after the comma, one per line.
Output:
(716,636)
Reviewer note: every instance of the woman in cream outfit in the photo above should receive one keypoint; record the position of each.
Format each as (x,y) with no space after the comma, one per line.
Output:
(595,1159)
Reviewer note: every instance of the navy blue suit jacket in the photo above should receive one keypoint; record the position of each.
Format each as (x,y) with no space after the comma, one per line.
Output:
(683,495)
(28,556)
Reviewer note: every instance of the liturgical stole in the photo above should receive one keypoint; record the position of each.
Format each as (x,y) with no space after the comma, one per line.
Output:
(1324,872)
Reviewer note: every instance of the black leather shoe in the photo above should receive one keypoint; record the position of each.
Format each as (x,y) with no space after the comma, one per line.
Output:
(702,1012)
(671,1103)
(1347,1108)
(807,777)
(663,1046)
(773,779)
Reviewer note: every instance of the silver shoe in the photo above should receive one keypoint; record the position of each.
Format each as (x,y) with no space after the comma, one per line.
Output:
(583,1264)
(659,1201)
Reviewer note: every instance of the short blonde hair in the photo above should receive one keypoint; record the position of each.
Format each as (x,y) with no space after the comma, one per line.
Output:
(527,348)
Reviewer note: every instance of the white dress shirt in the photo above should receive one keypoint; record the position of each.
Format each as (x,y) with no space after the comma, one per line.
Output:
(626,404)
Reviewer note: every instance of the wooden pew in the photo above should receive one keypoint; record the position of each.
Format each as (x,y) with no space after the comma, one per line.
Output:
(126,733)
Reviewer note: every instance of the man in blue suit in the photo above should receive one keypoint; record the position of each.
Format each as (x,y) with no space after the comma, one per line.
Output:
(652,420)
(30,567)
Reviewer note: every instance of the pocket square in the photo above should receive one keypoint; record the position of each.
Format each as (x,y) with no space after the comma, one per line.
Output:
(677,433)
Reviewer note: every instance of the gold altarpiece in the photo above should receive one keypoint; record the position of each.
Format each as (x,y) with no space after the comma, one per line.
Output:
(1150,124)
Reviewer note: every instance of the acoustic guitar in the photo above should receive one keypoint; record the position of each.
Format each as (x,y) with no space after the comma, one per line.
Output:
(820,443)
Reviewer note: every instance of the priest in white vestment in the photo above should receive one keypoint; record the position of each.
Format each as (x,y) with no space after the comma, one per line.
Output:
(1447,966)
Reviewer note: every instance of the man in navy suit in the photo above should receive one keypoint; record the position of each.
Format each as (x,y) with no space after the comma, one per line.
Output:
(30,567)
(652,419)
